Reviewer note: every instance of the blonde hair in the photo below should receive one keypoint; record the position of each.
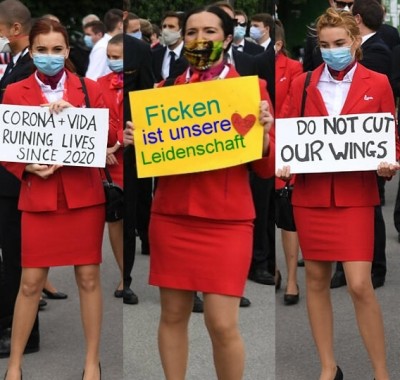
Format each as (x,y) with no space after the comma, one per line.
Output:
(340,19)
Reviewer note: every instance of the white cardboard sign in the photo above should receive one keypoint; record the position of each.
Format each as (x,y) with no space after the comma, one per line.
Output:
(335,143)
(74,137)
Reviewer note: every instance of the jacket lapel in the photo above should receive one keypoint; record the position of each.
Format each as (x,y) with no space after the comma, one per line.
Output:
(74,91)
(314,96)
(358,89)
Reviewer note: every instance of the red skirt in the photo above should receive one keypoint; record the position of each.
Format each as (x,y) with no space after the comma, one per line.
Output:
(191,253)
(335,233)
(62,237)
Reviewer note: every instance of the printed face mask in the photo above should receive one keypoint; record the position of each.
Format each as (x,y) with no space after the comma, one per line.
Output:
(202,54)
(337,58)
(48,64)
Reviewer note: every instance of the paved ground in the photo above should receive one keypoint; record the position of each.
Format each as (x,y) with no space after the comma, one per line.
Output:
(141,361)
(296,358)
(263,325)
(62,345)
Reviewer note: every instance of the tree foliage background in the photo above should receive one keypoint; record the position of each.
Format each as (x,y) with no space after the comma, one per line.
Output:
(154,9)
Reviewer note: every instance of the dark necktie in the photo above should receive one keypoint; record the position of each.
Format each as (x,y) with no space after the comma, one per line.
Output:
(172,62)
(9,67)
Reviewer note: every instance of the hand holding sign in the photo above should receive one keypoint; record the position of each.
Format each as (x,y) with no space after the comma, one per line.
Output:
(128,134)
(284,173)
(387,170)
(266,120)
(42,171)
(58,106)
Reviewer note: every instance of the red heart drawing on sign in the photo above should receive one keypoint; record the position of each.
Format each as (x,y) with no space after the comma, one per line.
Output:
(243,125)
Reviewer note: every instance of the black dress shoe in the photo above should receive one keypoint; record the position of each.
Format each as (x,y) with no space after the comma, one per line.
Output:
(338,280)
(300,263)
(377,281)
(129,297)
(55,295)
(291,299)
(244,302)
(339,374)
(42,304)
(5,343)
(198,306)
(262,276)
(119,293)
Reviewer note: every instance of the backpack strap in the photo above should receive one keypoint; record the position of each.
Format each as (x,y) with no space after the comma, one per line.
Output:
(304,97)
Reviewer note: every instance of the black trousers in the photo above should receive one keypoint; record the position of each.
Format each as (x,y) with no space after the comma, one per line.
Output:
(137,199)
(10,265)
(263,191)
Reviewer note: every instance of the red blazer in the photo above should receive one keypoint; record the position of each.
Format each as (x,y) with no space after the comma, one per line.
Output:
(222,194)
(286,70)
(82,186)
(342,189)
(115,130)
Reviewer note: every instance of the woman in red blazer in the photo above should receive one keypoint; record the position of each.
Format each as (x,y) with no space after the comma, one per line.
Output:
(62,207)
(112,89)
(201,223)
(334,212)
(286,70)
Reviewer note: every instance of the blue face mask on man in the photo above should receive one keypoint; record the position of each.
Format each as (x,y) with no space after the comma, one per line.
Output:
(48,64)
(88,41)
(137,35)
(116,65)
(239,33)
(337,58)
(255,33)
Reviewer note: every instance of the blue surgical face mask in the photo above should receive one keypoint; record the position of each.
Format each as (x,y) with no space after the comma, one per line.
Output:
(88,41)
(239,33)
(255,33)
(116,65)
(48,64)
(137,35)
(337,58)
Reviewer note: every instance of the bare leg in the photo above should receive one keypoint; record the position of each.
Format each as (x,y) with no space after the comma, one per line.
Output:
(368,314)
(26,307)
(318,277)
(91,302)
(173,342)
(290,244)
(49,286)
(115,233)
(221,315)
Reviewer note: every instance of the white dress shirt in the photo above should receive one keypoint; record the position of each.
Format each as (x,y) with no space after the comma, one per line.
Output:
(98,59)
(167,59)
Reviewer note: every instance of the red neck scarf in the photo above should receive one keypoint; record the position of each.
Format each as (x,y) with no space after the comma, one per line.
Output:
(52,81)
(203,75)
(117,81)
(339,75)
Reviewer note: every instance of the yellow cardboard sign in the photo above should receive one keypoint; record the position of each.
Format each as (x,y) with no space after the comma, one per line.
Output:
(196,127)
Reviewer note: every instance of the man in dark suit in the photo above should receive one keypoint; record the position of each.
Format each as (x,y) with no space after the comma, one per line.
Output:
(137,76)
(15,18)
(376,56)
(239,41)
(169,62)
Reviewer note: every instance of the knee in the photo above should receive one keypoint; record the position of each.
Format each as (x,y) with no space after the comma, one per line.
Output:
(221,331)
(360,290)
(31,288)
(174,317)
(88,281)
(318,283)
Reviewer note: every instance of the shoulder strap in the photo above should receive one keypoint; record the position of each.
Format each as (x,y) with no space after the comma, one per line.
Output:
(84,89)
(304,97)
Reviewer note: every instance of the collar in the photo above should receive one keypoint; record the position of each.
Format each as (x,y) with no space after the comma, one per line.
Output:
(177,50)
(47,88)
(266,43)
(366,37)
(326,76)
